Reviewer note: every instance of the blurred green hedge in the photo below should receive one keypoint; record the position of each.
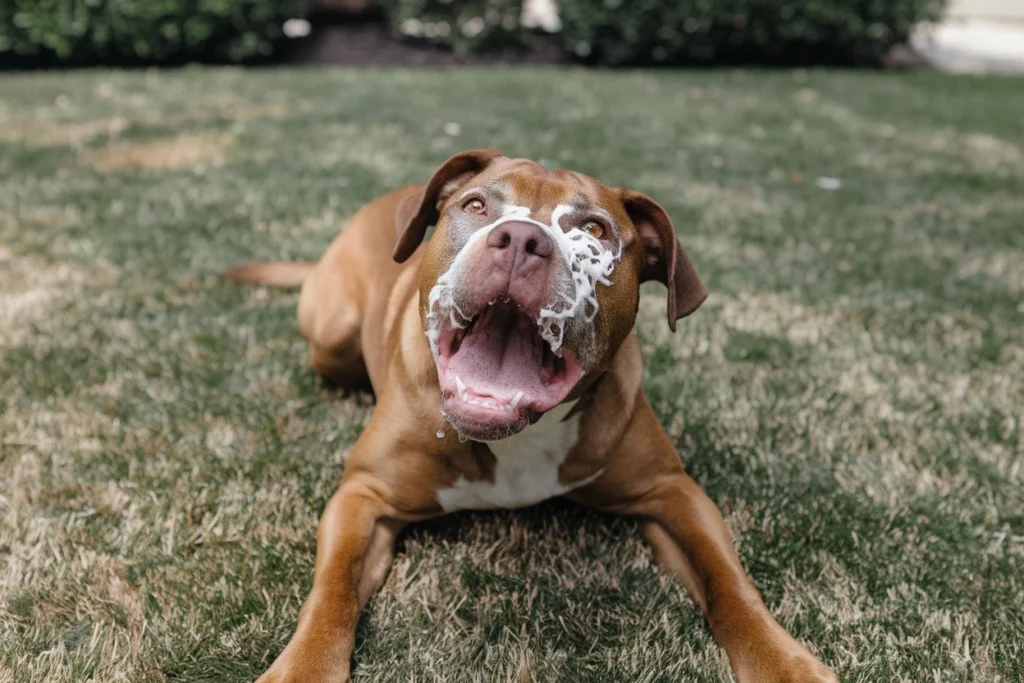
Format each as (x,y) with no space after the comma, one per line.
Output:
(83,31)
(647,32)
(611,32)
(469,26)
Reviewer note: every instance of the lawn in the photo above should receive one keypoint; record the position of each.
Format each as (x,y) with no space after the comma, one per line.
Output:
(851,394)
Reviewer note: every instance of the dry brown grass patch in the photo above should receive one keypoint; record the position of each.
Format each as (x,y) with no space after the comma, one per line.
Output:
(29,289)
(184,151)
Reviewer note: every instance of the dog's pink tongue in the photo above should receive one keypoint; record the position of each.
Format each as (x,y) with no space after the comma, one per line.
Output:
(500,356)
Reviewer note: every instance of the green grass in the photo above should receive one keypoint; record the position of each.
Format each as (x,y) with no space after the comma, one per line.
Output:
(851,394)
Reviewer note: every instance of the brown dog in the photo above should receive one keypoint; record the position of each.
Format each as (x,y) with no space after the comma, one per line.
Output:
(506,372)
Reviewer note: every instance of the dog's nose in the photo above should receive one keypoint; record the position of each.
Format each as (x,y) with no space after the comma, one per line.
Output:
(521,246)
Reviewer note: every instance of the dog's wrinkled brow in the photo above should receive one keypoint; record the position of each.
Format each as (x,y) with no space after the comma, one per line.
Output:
(581,206)
(580,203)
(499,192)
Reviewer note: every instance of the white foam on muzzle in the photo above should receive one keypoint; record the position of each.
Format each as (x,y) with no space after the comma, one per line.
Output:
(588,260)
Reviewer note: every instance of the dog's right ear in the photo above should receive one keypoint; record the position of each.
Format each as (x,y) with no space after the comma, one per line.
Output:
(421,209)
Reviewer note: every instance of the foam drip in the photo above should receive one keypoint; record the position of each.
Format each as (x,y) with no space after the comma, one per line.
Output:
(589,263)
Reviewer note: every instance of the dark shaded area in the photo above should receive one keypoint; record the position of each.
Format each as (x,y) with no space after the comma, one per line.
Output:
(367,41)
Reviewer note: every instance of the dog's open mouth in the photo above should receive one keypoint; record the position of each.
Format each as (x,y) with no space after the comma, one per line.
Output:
(498,374)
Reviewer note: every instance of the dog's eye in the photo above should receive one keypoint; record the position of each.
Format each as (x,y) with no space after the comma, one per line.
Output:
(474,206)
(595,229)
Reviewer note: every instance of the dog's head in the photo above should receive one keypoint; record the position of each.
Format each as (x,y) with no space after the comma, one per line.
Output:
(530,282)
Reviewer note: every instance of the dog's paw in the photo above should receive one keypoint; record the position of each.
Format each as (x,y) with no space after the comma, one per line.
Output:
(285,670)
(804,669)
(783,660)
(274,676)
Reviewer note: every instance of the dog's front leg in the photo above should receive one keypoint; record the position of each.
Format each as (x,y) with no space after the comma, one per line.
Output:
(355,548)
(690,538)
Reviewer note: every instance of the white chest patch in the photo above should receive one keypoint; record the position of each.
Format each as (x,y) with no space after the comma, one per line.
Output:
(526,471)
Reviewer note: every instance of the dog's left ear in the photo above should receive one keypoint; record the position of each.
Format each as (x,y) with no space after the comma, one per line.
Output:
(421,209)
(665,260)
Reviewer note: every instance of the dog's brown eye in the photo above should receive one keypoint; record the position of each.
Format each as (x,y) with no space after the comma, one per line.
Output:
(595,229)
(474,206)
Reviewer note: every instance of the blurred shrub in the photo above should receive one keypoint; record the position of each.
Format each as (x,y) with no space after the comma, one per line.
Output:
(619,32)
(82,31)
(470,26)
(644,32)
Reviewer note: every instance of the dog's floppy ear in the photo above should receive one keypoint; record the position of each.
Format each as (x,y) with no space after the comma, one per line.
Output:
(421,209)
(665,259)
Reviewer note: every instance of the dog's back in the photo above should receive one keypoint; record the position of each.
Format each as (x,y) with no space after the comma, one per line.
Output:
(345,293)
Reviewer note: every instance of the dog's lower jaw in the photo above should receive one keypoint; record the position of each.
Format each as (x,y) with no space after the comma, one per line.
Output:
(470,431)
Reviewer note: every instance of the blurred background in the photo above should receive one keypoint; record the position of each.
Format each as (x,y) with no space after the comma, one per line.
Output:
(958,34)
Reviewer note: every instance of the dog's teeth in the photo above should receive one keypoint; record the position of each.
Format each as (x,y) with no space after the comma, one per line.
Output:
(558,351)
(461,387)
(514,403)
